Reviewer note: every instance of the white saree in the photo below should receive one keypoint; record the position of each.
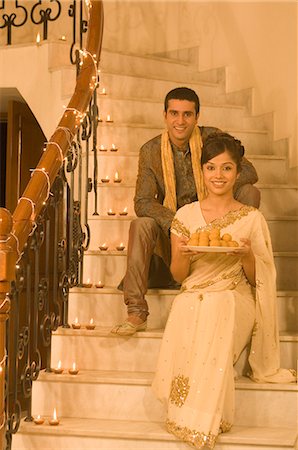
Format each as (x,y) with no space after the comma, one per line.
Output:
(213,318)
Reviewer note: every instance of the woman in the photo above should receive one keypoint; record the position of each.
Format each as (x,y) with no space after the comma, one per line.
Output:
(227,301)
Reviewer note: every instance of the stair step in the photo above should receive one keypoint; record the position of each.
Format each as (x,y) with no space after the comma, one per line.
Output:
(96,434)
(110,266)
(123,353)
(132,390)
(106,306)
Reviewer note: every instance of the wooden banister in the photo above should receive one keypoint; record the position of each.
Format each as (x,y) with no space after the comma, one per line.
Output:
(15,229)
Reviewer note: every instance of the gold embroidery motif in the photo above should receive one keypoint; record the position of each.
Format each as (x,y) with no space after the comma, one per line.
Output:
(196,438)
(236,274)
(179,390)
(224,426)
(228,219)
(180,228)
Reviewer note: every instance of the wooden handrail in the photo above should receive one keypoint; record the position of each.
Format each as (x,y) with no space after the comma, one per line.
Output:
(15,229)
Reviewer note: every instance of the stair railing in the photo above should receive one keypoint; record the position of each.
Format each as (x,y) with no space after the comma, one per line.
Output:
(16,228)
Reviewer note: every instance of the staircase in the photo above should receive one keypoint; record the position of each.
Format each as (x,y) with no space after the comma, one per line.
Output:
(109,405)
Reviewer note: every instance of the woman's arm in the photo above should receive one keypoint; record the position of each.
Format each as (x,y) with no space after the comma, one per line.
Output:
(248,262)
(180,261)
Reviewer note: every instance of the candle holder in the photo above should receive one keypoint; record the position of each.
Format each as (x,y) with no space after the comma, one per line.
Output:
(102,148)
(120,247)
(113,148)
(111,212)
(90,325)
(73,370)
(124,212)
(103,247)
(38,420)
(99,285)
(76,325)
(99,119)
(105,180)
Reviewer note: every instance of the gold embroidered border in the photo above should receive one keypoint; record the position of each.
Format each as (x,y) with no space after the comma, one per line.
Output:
(237,274)
(228,219)
(179,390)
(196,438)
(180,228)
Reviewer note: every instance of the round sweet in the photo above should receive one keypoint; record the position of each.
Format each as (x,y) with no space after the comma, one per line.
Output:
(226,237)
(214,243)
(233,244)
(214,234)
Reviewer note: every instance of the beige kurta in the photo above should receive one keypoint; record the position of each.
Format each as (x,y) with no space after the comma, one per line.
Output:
(211,322)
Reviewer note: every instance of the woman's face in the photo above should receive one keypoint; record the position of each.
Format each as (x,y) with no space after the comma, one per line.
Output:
(220,174)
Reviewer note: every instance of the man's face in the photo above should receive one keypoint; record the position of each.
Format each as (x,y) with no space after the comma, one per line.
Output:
(180,119)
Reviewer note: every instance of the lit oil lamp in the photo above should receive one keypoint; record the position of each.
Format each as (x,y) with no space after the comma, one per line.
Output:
(103,247)
(108,119)
(73,370)
(120,247)
(114,148)
(58,369)
(76,325)
(90,325)
(54,420)
(100,284)
(116,178)
(111,212)
(88,284)
(102,148)
(38,420)
(106,179)
(103,92)
(124,212)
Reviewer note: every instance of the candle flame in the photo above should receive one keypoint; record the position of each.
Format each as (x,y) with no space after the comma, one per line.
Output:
(54,414)
(76,320)
(91,320)
(125,209)
(38,38)
(107,177)
(59,364)
(74,367)
(116,176)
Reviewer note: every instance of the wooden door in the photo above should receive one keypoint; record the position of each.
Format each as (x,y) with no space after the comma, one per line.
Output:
(25,141)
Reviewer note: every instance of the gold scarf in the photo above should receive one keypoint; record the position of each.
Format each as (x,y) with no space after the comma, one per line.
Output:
(167,160)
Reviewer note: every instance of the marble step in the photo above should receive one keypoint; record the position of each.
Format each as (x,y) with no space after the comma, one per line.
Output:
(106,307)
(277,200)
(118,85)
(270,168)
(140,111)
(114,229)
(118,395)
(130,137)
(96,434)
(100,266)
(121,353)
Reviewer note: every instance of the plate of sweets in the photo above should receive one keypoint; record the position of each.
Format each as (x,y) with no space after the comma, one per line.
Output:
(212,242)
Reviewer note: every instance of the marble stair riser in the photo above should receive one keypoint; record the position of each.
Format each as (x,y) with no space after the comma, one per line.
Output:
(115,229)
(66,442)
(131,138)
(111,268)
(108,309)
(119,401)
(93,352)
(125,111)
(269,170)
(275,201)
(117,85)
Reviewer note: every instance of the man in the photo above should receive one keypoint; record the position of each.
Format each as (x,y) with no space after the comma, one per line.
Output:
(169,176)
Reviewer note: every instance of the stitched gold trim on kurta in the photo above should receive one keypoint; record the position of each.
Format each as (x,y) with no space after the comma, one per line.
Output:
(196,438)
(179,390)
(180,228)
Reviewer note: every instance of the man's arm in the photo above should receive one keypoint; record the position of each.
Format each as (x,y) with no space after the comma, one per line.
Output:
(148,195)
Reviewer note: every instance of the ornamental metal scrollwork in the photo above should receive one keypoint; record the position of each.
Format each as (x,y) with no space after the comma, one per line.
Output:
(10,20)
(23,340)
(45,16)
(43,293)
(46,330)
(13,422)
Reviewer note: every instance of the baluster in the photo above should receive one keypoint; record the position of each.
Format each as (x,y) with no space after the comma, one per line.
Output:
(9,20)
(45,16)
